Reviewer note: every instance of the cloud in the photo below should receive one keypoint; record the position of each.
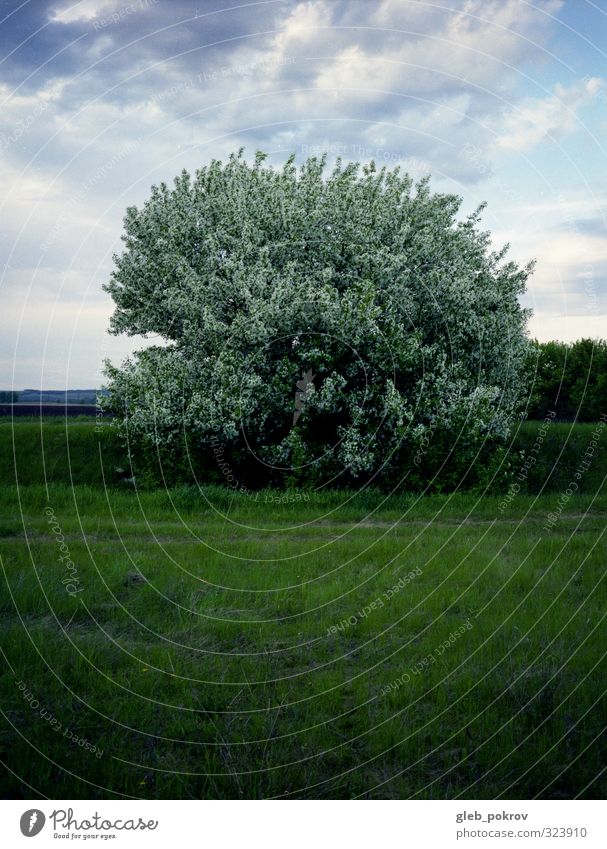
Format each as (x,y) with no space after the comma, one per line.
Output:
(58,344)
(302,26)
(590,226)
(571,274)
(418,48)
(527,124)
(567,328)
(85,10)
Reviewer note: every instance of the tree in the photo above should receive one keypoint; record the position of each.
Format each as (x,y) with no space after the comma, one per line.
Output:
(569,378)
(396,325)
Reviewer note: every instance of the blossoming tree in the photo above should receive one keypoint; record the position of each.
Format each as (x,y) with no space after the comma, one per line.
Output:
(326,328)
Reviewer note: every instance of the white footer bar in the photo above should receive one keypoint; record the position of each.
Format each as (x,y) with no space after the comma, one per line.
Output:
(305,824)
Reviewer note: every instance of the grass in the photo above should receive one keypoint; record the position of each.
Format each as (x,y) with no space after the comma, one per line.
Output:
(86,452)
(60,450)
(226,646)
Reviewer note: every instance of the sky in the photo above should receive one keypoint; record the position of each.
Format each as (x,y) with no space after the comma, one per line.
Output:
(503,101)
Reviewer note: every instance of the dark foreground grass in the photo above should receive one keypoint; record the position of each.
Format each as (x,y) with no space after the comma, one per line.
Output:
(220,646)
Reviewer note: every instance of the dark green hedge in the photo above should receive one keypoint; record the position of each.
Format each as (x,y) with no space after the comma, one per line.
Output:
(569,378)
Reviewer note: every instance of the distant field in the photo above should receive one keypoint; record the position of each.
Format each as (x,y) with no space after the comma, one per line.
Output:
(200,644)
(59,450)
(33,410)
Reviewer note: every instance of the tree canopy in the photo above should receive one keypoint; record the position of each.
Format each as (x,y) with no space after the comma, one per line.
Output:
(318,327)
(569,378)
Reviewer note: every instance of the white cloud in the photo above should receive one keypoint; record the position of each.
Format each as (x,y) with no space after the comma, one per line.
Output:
(46,341)
(567,328)
(85,10)
(571,273)
(301,28)
(422,48)
(353,66)
(529,123)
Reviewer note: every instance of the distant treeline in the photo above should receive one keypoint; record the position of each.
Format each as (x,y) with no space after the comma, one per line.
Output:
(569,378)
(50,396)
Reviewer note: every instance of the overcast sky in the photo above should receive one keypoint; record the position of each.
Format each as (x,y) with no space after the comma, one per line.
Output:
(500,100)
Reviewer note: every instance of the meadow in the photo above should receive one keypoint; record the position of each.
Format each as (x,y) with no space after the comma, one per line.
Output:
(199,643)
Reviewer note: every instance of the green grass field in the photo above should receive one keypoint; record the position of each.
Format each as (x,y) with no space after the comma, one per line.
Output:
(201,644)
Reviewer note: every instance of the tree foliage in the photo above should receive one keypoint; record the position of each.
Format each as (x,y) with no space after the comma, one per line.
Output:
(400,323)
(569,378)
